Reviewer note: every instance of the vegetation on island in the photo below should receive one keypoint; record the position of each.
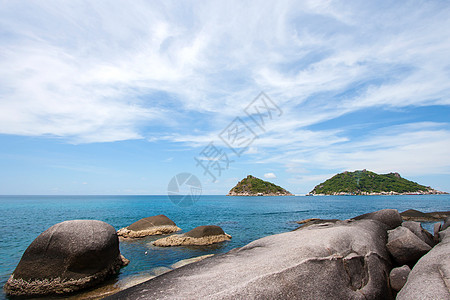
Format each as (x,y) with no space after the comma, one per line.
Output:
(366,182)
(252,186)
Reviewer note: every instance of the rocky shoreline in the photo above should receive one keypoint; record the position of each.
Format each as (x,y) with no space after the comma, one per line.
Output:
(372,256)
(378,255)
(247,194)
(390,193)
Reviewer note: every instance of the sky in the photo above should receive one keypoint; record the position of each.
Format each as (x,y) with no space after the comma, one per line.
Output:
(118,97)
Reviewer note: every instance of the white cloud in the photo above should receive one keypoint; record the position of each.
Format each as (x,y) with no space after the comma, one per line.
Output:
(95,71)
(270,175)
(99,72)
(252,150)
(412,149)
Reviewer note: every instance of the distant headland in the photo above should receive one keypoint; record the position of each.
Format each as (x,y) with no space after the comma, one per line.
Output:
(369,183)
(252,186)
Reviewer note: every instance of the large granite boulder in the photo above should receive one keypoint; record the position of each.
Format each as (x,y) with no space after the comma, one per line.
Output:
(398,277)
(67,257)
(405,246)
(430,277)
(346,260)
(421,233)
(199,236)
(390,217)
(154,225)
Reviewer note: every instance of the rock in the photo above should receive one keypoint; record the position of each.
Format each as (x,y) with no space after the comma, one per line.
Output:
(405,246)
(421,233)
(160,270)
(415,215)
(390,217)
(446,224)
(436,229)
(199,236)
(204,231)
(398,277)
(346,260)
(309,222)
(67,257)
(149,226)
(430,277)
(188,261)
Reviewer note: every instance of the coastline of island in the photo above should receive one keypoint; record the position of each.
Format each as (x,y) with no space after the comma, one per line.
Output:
(367,183)
(253,186)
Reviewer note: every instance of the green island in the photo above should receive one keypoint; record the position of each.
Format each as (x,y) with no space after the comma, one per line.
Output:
(252,186)
(369,183)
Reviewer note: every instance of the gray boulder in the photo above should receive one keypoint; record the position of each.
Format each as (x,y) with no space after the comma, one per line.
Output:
(205,230)
(67,257)
(390,217)
(154,225)
(430,277)
(405,246)
(398,277)
(436,229)
(446,224)
(309,222)
(418,216)
(346,260)
(199,236)
(421,233)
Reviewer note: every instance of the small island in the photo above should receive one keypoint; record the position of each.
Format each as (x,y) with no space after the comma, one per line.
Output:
(252,186)
(369,183)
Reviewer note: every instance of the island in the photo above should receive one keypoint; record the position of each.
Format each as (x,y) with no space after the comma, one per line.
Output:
(369,183)
(252,186)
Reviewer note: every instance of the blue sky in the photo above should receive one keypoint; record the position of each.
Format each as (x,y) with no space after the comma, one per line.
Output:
(117,97)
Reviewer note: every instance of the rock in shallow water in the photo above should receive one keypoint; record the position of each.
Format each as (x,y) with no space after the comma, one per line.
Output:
(67,257)
(346,260)
(154,225)
(199,236)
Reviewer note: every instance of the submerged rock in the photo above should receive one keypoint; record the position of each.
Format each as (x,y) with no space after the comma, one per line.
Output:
(430,277)
(398,277)
(346,260)
(67,257)
(389,217)
(405,246)
(199,236)
(154,225)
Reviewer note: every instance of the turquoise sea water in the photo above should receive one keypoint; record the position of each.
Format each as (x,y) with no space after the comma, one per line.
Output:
(23,218)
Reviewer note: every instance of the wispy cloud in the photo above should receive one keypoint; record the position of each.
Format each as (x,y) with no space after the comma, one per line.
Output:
(270,175)
(108,71)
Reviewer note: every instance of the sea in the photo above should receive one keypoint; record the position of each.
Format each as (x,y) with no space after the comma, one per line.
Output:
(23,218)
